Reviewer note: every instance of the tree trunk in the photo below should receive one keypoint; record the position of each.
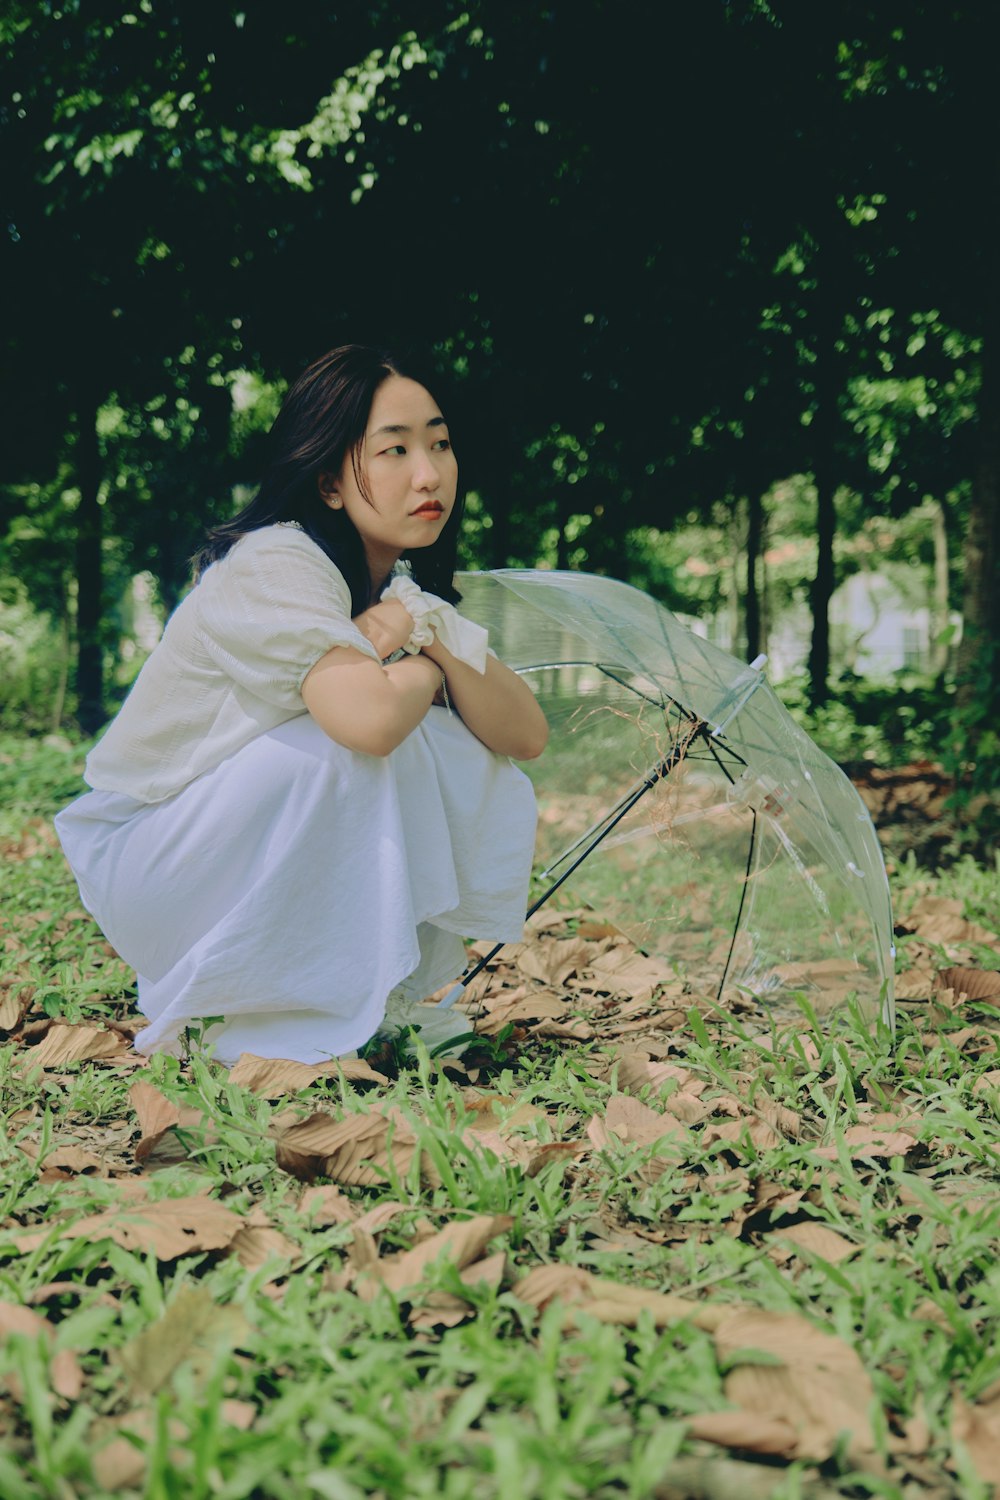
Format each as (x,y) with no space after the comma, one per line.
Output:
(59,698)
(755,531)
(821,591)
(978,654)
(89,667)
(939,597)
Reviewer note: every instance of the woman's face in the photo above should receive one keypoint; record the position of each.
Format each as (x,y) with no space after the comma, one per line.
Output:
(409,471)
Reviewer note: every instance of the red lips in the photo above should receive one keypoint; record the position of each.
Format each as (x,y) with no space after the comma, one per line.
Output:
(432,508)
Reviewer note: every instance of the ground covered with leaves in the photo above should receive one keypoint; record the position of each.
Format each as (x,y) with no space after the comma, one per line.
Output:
(630,1246)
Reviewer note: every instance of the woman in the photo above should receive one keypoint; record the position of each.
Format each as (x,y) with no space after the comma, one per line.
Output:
(306,801)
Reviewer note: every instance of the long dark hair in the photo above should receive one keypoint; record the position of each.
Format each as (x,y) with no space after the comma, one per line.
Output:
(323,419)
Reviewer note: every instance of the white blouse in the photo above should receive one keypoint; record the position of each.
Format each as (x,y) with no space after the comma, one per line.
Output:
(230,665)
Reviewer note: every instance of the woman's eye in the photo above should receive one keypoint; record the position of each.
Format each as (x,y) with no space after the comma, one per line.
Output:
(443,443)
(396,448)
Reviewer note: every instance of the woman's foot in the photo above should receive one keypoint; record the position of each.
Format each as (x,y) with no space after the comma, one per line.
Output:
(434,1025)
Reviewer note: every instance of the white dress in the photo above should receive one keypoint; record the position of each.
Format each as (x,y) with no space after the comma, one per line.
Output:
(291,886)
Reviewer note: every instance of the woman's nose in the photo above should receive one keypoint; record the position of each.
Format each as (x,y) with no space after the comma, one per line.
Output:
(425,474)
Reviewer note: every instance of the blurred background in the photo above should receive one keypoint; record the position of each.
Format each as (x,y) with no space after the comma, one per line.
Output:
(713,287)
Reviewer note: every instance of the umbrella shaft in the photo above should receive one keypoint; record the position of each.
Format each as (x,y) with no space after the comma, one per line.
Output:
(656,774)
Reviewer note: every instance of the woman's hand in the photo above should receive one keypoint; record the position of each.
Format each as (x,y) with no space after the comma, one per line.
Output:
(387,625)
(499,708)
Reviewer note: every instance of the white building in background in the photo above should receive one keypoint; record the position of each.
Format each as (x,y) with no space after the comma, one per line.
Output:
(875,630)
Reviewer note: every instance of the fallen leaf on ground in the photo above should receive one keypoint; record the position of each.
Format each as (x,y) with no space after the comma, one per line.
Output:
(939,919)
(869,1140)
(62,1045)
(543,1005)
(808,1379)
(461,1242)
(445,1309)
(255,1244)
(65,1161)
(274,1076)
(529,1156)
(121,1464)
(977,1428)
(636,1123)
(157,1115)
(192,1330)
(758,1132)
(502,1112)
(817,1239)
(169,1228)
(326,1204)
(746,1431)
(580,1292)
(64,1372)
(554,960)
(971,984)
(356,1151)
(636,1071)
(623,971)
(13,1007)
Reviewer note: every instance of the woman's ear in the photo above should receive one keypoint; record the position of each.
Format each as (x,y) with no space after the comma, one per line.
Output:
(327,485)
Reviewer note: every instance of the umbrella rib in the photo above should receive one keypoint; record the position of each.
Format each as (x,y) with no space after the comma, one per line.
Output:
(739,914)
(658,773)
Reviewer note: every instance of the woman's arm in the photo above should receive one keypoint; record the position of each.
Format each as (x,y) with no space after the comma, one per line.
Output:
(496,705)
(365,706)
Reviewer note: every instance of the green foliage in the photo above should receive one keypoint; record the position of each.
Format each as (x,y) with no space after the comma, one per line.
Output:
(34,663)
(888,723)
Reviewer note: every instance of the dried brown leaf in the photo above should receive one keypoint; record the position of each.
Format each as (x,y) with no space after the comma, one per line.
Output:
(13,1007)
(580,1292)
(64,1372)
(120,1464)
(812,1380)
(516,1007)
(445,1309)
(169,1228)
(971,984)
(274,1076)
(381,1216)
(869,1140)
(326,1204)
(977,1428)
(757,1131)
(746,1431)
(554,960)
(631,1121)
(623,971)
(355,1151)
(74,1159)
(817,1239)
(574,1030)
(502,1112)
(255,1244)
(62,1045)
(460,1242)
(157,1115)
(636,1071)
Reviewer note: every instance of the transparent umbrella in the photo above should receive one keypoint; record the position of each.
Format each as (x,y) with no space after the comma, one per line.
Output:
(683,803)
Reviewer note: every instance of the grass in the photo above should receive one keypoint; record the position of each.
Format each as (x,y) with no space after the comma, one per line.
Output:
(298,1360)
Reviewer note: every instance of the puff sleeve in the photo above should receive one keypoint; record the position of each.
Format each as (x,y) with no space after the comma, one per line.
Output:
(271,608)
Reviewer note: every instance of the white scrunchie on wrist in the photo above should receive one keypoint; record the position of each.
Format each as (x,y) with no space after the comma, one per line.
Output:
(433,617)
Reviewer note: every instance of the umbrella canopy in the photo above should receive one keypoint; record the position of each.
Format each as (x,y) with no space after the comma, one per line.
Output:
(724,840)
